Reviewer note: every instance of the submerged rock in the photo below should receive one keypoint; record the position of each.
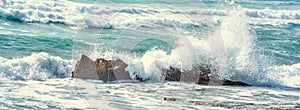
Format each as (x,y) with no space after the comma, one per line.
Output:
(171,99)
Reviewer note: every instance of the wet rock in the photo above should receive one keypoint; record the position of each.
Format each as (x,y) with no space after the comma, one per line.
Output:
(110,70)
(237,83)
(196,75)
(85,69)
(199,75)
(119,70)
(101,69)
(171,99)
(172,74)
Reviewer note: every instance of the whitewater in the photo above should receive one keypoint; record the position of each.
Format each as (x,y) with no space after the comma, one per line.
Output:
(256,42)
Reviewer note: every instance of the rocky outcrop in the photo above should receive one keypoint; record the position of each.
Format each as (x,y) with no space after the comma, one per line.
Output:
(172,74)
(85,69)
(119,70)
(101,69)
(110,70)
(199,75)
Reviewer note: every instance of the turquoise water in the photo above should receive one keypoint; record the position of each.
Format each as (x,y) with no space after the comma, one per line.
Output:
(252,41)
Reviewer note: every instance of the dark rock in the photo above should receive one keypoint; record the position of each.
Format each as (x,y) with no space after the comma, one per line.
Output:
(171,99)
(199,75)
(237,83)
(172,74)
(195,75)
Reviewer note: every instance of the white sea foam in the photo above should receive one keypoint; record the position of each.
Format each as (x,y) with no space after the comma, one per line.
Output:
(287,75)
(38,66)
(239,60)
(117,16)
(274,14)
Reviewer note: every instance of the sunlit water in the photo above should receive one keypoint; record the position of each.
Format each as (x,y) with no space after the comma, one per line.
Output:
(256,42)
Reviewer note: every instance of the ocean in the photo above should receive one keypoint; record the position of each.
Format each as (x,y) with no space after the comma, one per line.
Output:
(254,41)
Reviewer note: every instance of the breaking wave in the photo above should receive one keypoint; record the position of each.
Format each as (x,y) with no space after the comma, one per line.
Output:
(98,16)
(274,14)
(230,52)
(240,61)
(38,66)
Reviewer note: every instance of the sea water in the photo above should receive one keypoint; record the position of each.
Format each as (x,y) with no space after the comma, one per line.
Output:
(256,42)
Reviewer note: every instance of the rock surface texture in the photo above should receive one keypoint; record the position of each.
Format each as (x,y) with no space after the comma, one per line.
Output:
(101,69)
(199,75)
(110,70)
(85,69)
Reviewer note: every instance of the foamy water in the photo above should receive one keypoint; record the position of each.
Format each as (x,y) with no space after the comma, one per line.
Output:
(78,94)
(251,41)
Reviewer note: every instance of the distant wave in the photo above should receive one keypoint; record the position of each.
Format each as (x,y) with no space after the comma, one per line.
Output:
(97,16)
(289,3)
(38,66)
(274,14)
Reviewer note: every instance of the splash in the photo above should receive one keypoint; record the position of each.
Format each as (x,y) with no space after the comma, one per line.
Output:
(230,51)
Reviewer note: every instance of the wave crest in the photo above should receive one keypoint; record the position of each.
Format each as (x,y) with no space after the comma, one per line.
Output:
(38,66)
(104,16)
